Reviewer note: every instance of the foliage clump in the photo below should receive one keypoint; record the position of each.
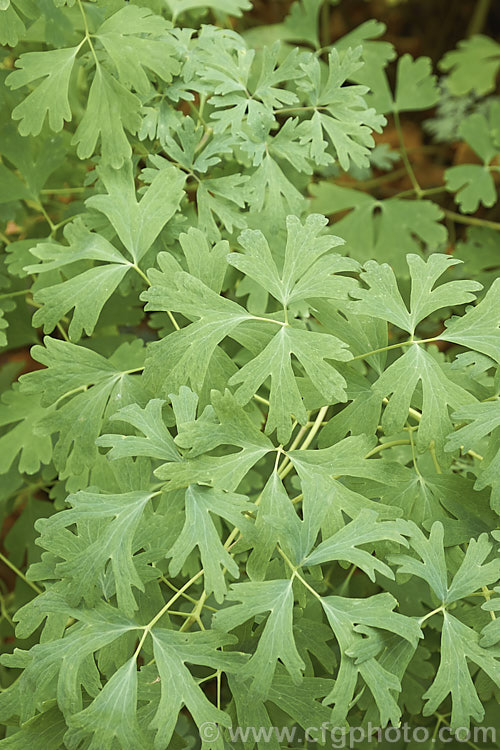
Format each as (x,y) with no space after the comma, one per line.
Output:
(251,470)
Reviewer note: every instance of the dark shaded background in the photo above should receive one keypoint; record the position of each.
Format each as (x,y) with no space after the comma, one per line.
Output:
(421,27)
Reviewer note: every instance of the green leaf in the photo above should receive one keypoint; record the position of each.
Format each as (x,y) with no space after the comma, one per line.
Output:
(233,7)
(479,328)
(246,400)
(305,262)
(383,299)
(138,223)
(58,299)
(43,730)
(219,200)
(347,618)
(22,412)
(432,569)
(179,687)
(226,424)
(186,356)
(340,113)
(490,634)
(62,667)
(111,110)
(484,420)
(187,146)
(271,192)
(385,229)
(128,36)
(329,498)
(439,394)
(311,350)
(118,518)
(267,90)
(277,521)
(7,304)
(49,606)
(297,701)
(11,187)
(302,21)
(35,159)
(11,26)
(275,597)
(157,443)
(473,574)
(415,85)
(241,94)
(362,530)
(184,406)
(205,262)
(375,55)
(479,131)
(51,95)
(111,717)
(361,333)
(200,531)
(427,497)
(82,388)
(474,182)
(360,416)
(470,576)
(473,66)
(459,645)
(472,185)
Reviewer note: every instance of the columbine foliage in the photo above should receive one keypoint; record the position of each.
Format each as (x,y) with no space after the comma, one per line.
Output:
(253,471)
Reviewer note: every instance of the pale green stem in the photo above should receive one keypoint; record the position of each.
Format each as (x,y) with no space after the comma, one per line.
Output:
(296,574)
(20,574)
(471,220)
(394,346)
(87,32)
(315,427)
(23,292)
(195,614)
(184,595)
(63,191)
(430,614)
(404,155)
(375,181)
(261,400)
(143,276)
(432,450)
(487,595)
(269,320)
(422,193)
(62,331)
(286,466)
(165,608)
(384,446)
(134,369)
(473,454)
(414,458)
(47,217)
(479,17)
